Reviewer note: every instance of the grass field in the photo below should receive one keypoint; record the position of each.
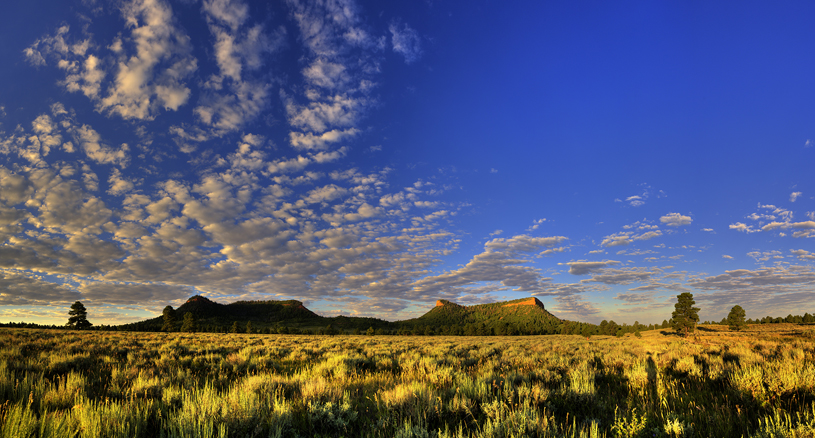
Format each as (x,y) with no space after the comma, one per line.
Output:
(758,383)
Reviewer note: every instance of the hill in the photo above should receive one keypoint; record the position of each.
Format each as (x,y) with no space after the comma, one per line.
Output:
(523,316)
(212,316)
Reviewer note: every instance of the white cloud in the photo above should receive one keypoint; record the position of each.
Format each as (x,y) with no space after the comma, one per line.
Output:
(235,96)
(675,220)
(626,238)
(803,254)
(635,201)
(96,150)
(763,256)
(325,194)
(583,267)
(501,262)
(153,76)
(804,229)
(319,142)
(406,42)
(738,226)
(339,110)
(794,196)
(118,184)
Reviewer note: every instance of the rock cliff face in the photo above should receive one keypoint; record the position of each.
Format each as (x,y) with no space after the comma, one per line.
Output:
(521,316)
(528,302)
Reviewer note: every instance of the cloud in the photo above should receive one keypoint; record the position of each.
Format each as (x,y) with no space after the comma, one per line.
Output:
(21,288)
(803,229)
(237,94)
(91,143)
(132,293)
(339,74)
(763,291)
(583,267)
(626,238)
(675,220)
(310,141)
(118,184)
(634,298)
(803,254)
(725,256)
(139,74)
(621,276)
(794,196)
(503,261)
(339,110)
(635,201)
(153,76)
(229,111)
(406,42)
(536,224)
(325,194)
(738,226)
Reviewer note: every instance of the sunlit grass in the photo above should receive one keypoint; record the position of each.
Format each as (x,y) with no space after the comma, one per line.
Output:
(757,383)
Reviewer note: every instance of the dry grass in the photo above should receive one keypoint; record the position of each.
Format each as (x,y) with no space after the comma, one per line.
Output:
(758,382)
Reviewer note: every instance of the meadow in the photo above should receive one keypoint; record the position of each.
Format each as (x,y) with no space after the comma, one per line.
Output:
(757,383)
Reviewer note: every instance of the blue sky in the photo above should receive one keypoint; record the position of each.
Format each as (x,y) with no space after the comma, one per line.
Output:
(369,158)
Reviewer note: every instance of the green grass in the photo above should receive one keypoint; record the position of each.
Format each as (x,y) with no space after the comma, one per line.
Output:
(95,384)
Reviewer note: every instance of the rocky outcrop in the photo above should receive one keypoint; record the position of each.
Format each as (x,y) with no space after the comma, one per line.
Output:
(443,303)
(527,302)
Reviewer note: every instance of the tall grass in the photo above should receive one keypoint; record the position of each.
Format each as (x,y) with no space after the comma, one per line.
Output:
(66,384)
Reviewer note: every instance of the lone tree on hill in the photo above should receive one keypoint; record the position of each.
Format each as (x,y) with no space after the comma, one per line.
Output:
(685,317)
(79,317)
(736,318)
(189,325)
(169,319)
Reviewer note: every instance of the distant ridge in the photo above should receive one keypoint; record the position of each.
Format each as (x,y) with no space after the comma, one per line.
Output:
(525,315)
(522,316)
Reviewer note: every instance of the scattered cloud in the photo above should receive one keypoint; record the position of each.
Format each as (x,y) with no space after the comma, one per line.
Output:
(803,254)
(675,220)
(503,261)
(626,238)
(583,267)
(738,226)
(406,42)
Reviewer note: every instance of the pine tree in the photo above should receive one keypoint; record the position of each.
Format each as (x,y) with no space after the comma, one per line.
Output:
(190,325)
(235,328)
(736,318)
(249,329)
(685,317)
(78,317)
(169,319)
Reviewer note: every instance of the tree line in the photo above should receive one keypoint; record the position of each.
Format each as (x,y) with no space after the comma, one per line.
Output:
(683,321)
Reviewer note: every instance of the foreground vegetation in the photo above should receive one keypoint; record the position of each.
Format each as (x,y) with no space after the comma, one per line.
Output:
(757,383)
